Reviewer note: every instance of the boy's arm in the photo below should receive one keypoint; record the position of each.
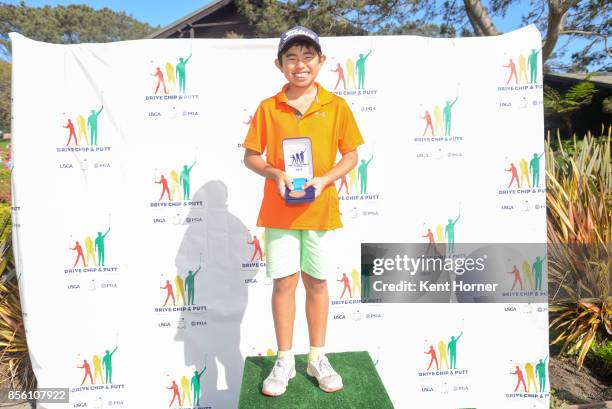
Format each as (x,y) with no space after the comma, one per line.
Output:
(253,161)
(348,162)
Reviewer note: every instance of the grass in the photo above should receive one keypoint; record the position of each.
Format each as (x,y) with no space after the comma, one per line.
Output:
(363,388)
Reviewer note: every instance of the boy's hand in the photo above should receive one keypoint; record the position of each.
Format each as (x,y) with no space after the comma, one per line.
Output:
(318,183)
(282,183)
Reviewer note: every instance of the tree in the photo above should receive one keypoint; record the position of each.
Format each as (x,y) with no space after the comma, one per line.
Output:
(587,18)
(443,18)
(5,96)
(67,24)
(564,106)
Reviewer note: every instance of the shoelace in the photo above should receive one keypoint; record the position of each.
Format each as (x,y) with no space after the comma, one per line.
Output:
(280,369)
(325,368)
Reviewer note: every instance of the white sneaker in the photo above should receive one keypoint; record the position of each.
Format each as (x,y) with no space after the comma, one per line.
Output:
(276,383)
(328,378)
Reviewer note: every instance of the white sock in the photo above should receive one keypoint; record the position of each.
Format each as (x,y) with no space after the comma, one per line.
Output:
(285,354)
(315,353)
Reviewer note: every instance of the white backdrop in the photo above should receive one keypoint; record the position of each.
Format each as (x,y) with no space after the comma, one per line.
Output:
(66,190)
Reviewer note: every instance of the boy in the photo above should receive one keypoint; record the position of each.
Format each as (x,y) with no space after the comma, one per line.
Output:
(299,237)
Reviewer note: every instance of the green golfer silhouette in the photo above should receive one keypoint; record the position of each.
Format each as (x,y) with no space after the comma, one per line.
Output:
(540,371)
(195,386)
(190,286)
(532,61)
(180,73)
(452,349)
(446,114)
(537,270)
(360,67)
(449,232)
(107,364)
(99,246)
(184,181)
(362,174)
(92,124)
(534,168)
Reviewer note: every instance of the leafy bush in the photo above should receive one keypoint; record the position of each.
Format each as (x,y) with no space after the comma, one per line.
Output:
(579,199)
(602,353)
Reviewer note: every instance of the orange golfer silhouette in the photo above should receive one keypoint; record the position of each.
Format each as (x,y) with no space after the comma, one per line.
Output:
(520,379)
(347,286)
(430,237)
(514,173)
(70,127)
(175,394)
(512,67)
(160,80)
(434,358)
(164,182)
(429,124)
(257,248)
(87,372)
(517,277)
(340,72)
(169,294)
(79,251)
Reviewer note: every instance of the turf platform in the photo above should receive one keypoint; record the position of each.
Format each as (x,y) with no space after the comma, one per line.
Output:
(363,388)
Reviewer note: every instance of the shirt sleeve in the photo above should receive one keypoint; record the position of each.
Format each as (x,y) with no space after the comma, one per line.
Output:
(350,136)
(256,136)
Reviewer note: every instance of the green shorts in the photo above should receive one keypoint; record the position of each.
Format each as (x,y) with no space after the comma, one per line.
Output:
(289,251)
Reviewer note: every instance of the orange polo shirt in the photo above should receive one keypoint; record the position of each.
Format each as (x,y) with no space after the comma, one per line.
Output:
(331,127)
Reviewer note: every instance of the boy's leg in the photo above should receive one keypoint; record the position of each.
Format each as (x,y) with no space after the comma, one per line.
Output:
(283,310)
(317,309)
(317,262)
(282,265)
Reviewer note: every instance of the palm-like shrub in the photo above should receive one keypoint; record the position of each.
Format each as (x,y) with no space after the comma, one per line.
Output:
(579,219)
(14,357)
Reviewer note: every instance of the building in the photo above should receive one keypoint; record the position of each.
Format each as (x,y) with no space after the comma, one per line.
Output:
(217,19)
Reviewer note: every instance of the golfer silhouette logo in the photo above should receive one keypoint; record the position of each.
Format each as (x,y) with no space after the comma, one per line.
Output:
(529,172)
(351,74)
(167,82)
(532,373)
(438,124)
(86,132)
(439,355)
(526,62)
(99,364)
(94,248)
(175,183)
(189,392)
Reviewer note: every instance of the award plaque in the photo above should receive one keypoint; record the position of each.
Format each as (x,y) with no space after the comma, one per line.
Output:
(297,153)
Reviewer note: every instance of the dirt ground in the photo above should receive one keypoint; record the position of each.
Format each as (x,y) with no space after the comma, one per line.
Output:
(578,386)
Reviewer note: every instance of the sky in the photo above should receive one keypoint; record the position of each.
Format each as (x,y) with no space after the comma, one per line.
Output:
(158,12)
(163,12)
(154,12)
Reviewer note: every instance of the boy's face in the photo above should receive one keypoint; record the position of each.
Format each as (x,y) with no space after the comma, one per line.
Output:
(300,65)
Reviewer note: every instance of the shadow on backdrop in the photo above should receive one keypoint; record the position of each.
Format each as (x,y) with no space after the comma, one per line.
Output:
(220,240)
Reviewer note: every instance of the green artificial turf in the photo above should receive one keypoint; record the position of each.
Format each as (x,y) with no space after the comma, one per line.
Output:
(363,388)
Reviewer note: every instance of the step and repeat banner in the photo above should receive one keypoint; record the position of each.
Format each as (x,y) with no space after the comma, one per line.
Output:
(142,272)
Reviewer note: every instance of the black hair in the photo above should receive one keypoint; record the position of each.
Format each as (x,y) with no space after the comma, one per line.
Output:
(301,43)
